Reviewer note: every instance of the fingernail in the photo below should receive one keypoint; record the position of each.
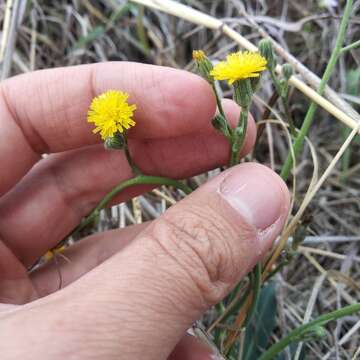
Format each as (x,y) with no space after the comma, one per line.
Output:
(256,193)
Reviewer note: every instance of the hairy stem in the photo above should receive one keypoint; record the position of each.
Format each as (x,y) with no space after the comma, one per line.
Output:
(138,180)
(129,159)
(218,100)
(238,139)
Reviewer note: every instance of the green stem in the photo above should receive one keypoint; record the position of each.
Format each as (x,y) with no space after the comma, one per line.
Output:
(285,172)
(275,81)
(138,180)
(236,305)
(238,138)
(256,286)
(265,116)
(219,333)
(288,115)
(298,334)
(254,291)
(218,100)
(276,270)
(351,46)
(133,166)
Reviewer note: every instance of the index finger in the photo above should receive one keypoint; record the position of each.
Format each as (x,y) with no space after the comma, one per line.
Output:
(45,111)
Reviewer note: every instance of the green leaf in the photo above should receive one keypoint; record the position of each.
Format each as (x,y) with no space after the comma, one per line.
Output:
(258,333)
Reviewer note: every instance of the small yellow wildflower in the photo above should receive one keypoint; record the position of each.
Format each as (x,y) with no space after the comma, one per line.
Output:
(51,253)
(110,112)
(198,55)
(239,65)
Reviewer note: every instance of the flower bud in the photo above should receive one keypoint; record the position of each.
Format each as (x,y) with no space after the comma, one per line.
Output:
(204,65)
(266,50)
(220,124)
(287,71)
(239,131)
(243,92)
(115,142)
(198,55)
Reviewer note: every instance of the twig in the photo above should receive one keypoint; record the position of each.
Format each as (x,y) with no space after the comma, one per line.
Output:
(10,27)
(309,309)
(330,239)
(347,297)
(309,196)
(344,339)
(6,28)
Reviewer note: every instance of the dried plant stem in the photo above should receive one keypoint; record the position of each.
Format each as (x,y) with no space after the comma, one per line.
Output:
(298,143)
(202,19)
(309,196)
(236,302)
(6,28)
(240,319)
(9,36)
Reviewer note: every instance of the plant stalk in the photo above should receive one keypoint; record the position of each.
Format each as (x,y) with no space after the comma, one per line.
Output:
(298,333)
(238,140)
(138,180)
(298,143)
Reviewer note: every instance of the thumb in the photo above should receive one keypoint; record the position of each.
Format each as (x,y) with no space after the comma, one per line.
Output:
(143,299)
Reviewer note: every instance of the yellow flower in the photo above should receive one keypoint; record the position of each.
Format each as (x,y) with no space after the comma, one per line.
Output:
(239,65)
(110,112)
(198,55)
(51,253)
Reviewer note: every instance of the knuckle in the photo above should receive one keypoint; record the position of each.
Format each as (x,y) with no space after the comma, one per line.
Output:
(200,241)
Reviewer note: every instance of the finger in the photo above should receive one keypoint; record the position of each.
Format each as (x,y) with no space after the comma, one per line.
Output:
(51,200)
(181,264)
(15,285)
(80,258)
(45,111)
(191,348)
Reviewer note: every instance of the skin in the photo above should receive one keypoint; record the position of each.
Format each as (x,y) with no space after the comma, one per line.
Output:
(129,293)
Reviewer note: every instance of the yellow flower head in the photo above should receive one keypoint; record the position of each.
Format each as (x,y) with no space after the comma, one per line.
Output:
(239,65)
(198,55)
(110,112)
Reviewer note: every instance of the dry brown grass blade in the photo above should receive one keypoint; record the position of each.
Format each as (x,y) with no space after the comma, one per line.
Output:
(202,19)
(313,189)
(6,28)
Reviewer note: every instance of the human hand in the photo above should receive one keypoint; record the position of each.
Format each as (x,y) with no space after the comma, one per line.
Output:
(129,293)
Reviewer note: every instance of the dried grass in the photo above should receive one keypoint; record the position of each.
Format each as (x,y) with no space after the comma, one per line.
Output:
(325,273)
